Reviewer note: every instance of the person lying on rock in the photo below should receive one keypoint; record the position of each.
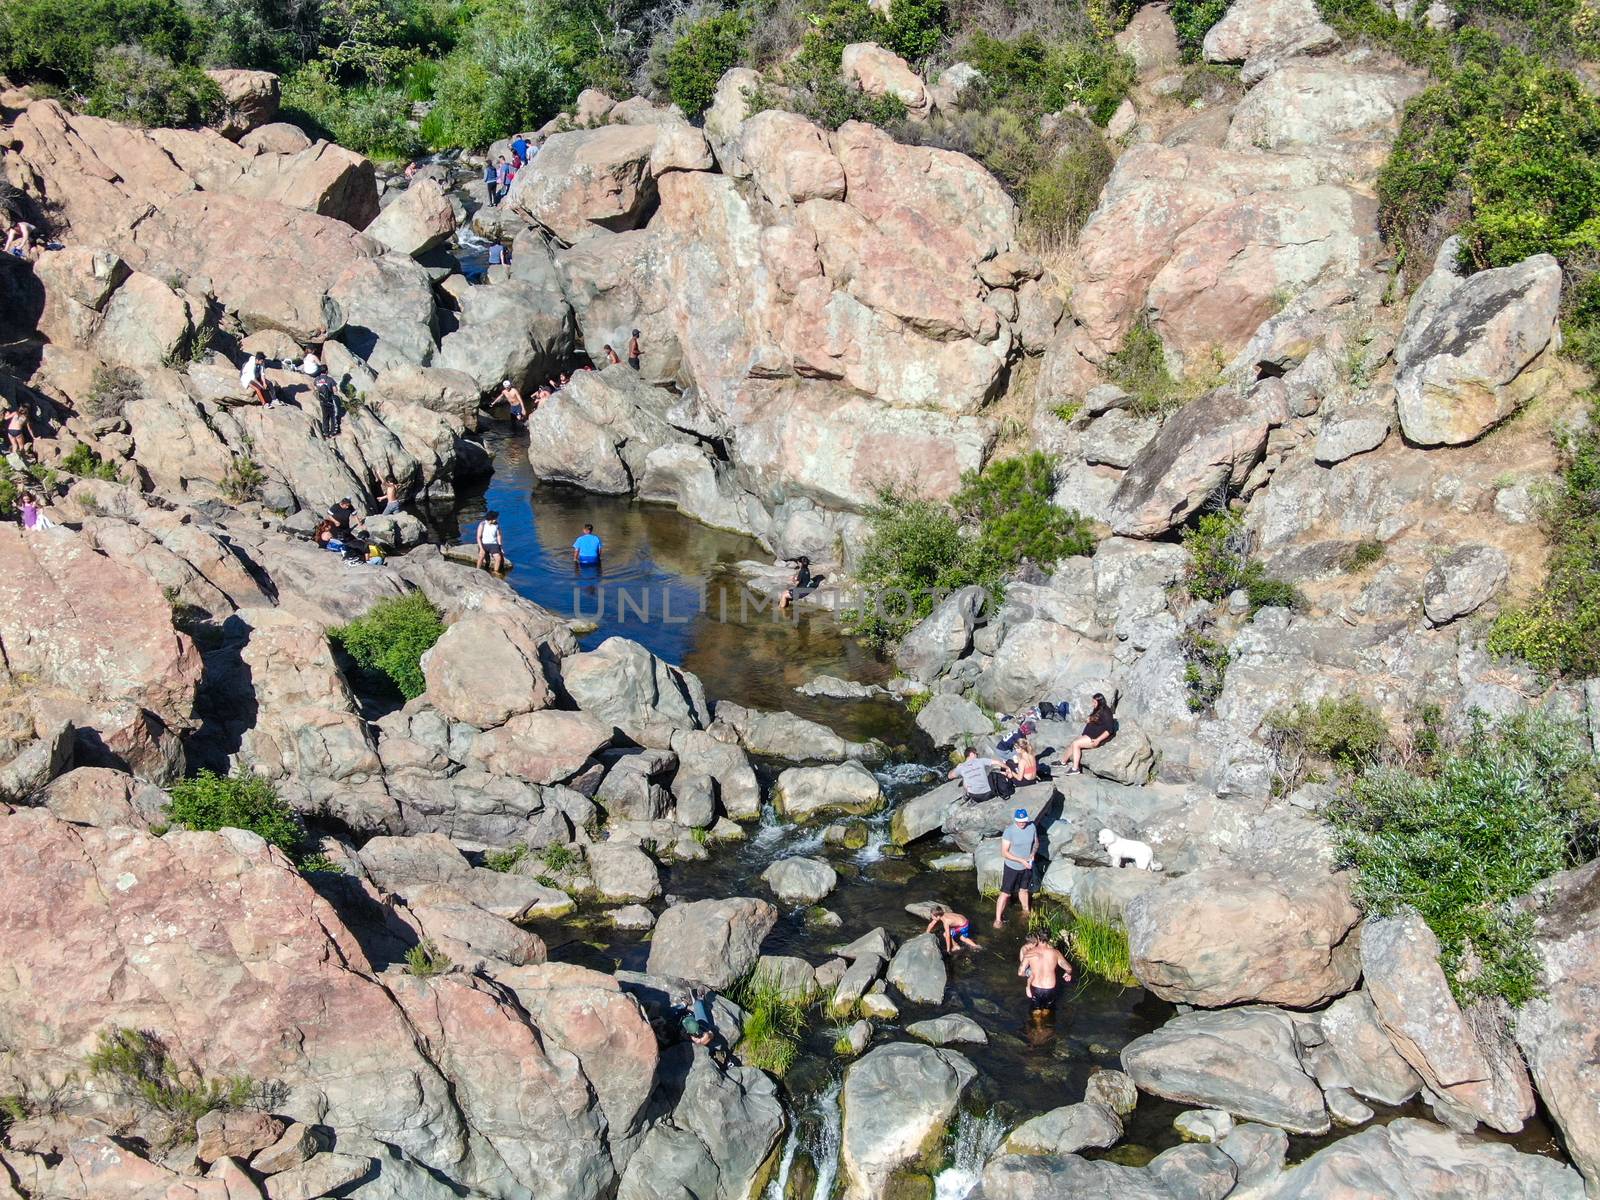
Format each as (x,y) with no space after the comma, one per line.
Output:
(1018,845)
(1097,731)
(953,927)
(1043,969)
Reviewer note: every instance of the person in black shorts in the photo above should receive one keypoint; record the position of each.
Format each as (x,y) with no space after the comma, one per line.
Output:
(1097,730)
(1018,845)
(1043,969)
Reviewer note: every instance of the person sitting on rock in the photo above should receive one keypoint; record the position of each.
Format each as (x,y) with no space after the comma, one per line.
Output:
(1024,762)
(253,377)
(491,547)
(513,400)
(310,364)
(19,237)
(327,533)
(1097,731)
(701,1030)
(978,775)
(611,356)
(952,926)
(1043,969)
(800,583)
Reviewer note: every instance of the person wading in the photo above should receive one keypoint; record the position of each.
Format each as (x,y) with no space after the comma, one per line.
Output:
(1018,845)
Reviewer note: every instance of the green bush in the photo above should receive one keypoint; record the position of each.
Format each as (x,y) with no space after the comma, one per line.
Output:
(1220,564)
(1033,76)
(370,120)
(496,84)
(915,27)
(1139,367)
(558,857)
(699,58)
(425,960)
(86,464)
(1059,196)
(774,1022)
(1508,807)
(137,1064)
(1194,19)
(139,87)
(1346,732)
(1558,629)
(1361,555)
(392,638)
(505,860)
(67,41)
(1205,668)
(1098,943)
(919,550)
(241,801)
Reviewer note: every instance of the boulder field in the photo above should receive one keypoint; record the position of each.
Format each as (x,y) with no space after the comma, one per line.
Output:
(389,1011)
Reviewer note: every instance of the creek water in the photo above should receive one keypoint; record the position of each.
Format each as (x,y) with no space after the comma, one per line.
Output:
(668,583)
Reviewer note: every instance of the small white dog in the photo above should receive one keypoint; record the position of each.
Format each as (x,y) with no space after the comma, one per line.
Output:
(1122,850)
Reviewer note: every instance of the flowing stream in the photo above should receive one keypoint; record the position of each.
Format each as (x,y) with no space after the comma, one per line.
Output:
(976,1136)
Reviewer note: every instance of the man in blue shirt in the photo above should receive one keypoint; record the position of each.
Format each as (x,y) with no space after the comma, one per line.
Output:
(586,550)
(519,147)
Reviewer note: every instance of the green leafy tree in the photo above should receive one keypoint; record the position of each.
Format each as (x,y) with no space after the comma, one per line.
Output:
(65,41)
(1011,505)
(365,39)
(699,58)
(392,638)
(242,801)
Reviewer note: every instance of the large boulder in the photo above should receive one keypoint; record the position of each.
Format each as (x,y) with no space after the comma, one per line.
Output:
(1047,1177)
(1480,354)
(1417,1160)
(417,222)
(713,942)
(249,100)
(588,182)
(800,880)
(789,159)
(1272,28)
(486,668)
(646,698)
(1344,116)
(1067,1130)
(545,746)
(846,789)
(1208,444)
(1224,936)
(598,430)
(1245,1061)
(880,72)
(1356,1054)
(1462,582)
(1471,1063)
(323,178)
(443,1069)
(917,970)
(1556,1030)
(943,636)
(515,329)
(98,629)
(897,1101)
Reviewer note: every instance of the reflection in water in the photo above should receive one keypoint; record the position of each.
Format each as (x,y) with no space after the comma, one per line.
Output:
(666,582)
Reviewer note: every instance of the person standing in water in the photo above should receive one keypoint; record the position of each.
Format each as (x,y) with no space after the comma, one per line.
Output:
(1043,969)
(635,353)
(586,550)
(513,399)
(491,548)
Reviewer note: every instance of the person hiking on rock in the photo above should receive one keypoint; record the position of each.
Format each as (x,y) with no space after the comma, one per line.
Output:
(328,400)
(1097,730)
(1018,845)
(491,183)
(699,1028)
(391,497)
(635,354)
(19,430)
(952,926)
(1044,969)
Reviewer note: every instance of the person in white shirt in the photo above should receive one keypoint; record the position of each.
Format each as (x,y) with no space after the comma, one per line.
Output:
(491,548)
(253,376)
(311,365)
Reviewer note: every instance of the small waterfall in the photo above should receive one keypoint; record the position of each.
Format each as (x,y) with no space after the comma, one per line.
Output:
(816,1129)
(976,1138)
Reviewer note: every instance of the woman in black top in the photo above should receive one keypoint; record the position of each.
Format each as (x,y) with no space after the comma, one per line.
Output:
(799,582)
(1097,730)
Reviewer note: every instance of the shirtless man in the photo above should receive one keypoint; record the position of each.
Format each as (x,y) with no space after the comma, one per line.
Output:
(952,926)
(513,399)
(1043,969)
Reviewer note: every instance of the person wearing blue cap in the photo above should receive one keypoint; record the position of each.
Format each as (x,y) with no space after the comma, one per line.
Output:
(1018,845)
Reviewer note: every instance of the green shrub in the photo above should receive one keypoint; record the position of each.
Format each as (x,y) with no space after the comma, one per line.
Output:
(425,960)
(497,83)
(919,550)
(1098,943)
(1058,197)
(1010,505)
(1220,564)
(1033,76)
(1052,920)
(1557,630)
(240,801)
(111,389)
(1509,806)
(138,1066)
(392,638)
(699,58)
(140,87)
(242,481)
(1068,412)
(1205,669)
(320,864)
(1346,732)
(774,1022)
(370,120)
(1139,367)
(1362,555)
(558,857)
(86,464)
(1194,19)
(505,860)
(68,41)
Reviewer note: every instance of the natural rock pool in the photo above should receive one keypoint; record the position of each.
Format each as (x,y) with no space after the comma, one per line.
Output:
(669,583)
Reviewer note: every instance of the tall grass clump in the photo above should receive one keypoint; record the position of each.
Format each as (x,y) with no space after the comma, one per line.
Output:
(137,1065)
(1098,943)
(774,1022)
